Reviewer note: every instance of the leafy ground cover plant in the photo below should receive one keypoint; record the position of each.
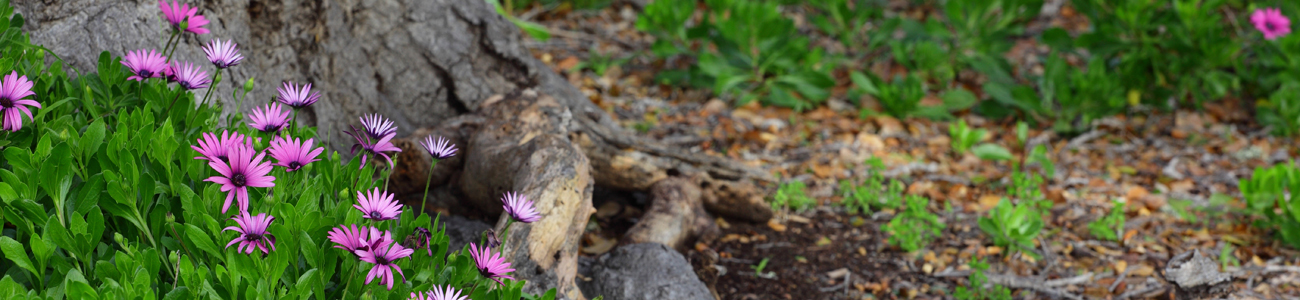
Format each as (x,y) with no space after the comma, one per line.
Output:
(872,192)
(976,289)
(791,195)
(1013,226)
(118,185)
(1111,226)
(1267,195)
(914,227)
(964,137)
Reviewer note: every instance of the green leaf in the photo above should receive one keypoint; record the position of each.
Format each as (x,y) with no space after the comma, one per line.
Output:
(14,251)
(958,99)
(9,287)
(992,152)
(92,139)
(864,83)
(201,240)
(537,31)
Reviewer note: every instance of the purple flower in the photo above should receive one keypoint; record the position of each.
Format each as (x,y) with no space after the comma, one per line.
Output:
(520,208)
(383,256)
(188,76)
(490,265)
(211,148)
(244,170)
(370,146)
(252,233)
(13,89)
(223,54)
(351,239)
(145,65)
(378,205)
(436,294)
(420,238)
(297,96)
(271,118)
(440,149)
(377,126)
(292,153)
(177,13)
(1271,22)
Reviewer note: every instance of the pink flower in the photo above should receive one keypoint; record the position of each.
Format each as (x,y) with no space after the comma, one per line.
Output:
(378,206)
(12,91)
(145,65)
(252,233)
(1271,22)
(177,13)
(297,96)
(520,208)
(490,265)
(377,126)
(223,54)
(244,170)
(370,144)
(354,238)
(440,149)
(211,148)
(384,257)
(188,76)
(436,294)
(270,118)
(293,154)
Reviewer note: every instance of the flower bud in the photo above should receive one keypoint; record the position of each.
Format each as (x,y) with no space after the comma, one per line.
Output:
(248,85)
(40,55)
(117,237)
(216,79)
(170,218)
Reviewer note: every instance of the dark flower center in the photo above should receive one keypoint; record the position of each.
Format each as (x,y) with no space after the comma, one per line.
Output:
(381,260)
(376,215)
(186,85)
(294,165)
(253,237)
(484,271)
(145,73)
(271,127)
(238,179)
(223,158)
(6,102)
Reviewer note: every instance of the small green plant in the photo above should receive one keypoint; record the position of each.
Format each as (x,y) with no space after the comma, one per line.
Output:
(1013,226)
(758,269)
(978,280)
(1026,187)
(1039,156)
(599,63)
(791,195)
(964,137)
(1266,194)
(993,152)
(914,227)
(1110,226)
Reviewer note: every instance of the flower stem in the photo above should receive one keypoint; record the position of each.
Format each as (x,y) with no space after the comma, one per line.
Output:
(168,45)
(175,45)
(424,201)
(178,97)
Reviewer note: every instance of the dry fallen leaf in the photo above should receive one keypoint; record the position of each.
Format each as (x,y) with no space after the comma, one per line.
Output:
(776,225)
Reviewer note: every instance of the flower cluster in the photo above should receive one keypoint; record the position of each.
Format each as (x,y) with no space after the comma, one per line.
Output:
(1271,23)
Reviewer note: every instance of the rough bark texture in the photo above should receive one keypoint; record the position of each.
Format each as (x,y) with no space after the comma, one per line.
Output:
(648,271)
(676,216)
(1196,276)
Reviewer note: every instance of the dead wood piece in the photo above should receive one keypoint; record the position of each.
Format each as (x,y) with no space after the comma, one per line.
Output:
(604,142)
(1196,276)
(735,199)
(528,153)
(412,165)
(675,218)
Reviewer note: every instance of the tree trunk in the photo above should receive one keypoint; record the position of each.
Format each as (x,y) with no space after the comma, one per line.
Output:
(431,64)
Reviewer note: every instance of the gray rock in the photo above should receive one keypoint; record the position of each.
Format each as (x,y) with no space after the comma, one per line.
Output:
(647,271)
(461,230)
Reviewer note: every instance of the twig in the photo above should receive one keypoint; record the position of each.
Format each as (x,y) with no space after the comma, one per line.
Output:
(1084,138)
(1085,277)
(1121,278)
(1029,284)
(1145,291)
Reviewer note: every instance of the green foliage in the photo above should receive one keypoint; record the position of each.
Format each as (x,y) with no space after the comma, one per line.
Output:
(758,269)
(994,152)
(1266,194)
(599,63)
(791,195)
(914,227)
(1026,187)
(537,31)
(978,280)
(964,137)
(872,192)
(101,199)
(1110,226)
(1013,226)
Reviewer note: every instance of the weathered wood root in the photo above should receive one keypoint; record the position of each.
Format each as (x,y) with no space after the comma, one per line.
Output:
(676,216)
(412,170)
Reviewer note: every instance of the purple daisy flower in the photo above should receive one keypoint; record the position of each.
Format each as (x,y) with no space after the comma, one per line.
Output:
(292,153)
(377,126)
(177,13)
(244,170)
(188,76)
(145,64)
(520,208)
(297,96)
(211,148)
(449,293)
(271,118)
(351,239)
(378,205)
(223,54)
(13,89)
(383,256)
(490,265)
(1271,22)
(253,233)
(370,146)
(440,149)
